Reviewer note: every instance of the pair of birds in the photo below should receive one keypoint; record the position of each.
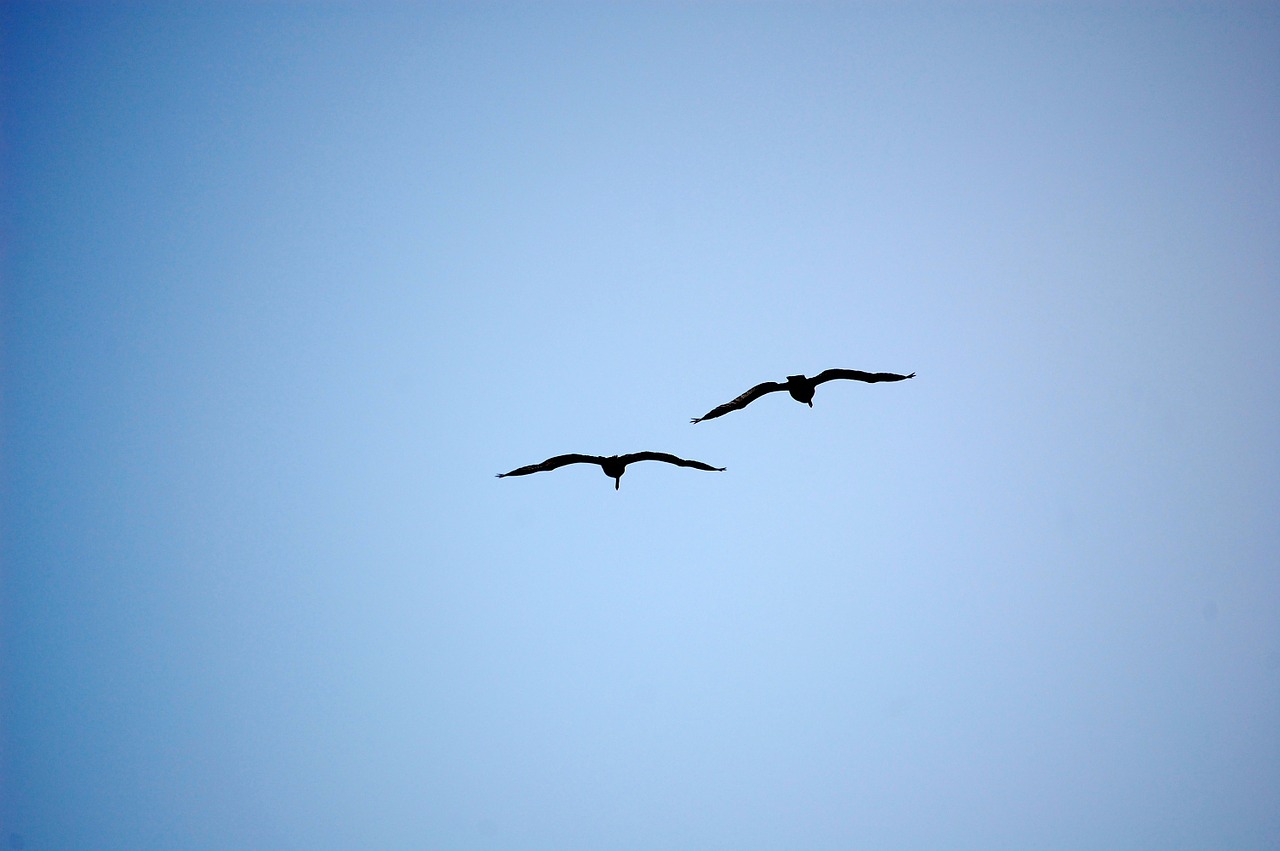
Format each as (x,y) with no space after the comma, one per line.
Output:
(800,387)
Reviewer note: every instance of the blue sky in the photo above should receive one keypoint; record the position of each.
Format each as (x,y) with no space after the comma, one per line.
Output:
(285,285)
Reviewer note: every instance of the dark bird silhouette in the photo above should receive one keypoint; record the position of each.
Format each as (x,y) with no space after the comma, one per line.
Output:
(613,465)
(800,388)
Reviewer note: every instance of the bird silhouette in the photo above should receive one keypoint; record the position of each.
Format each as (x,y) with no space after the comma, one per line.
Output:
(613,465)
(800,388)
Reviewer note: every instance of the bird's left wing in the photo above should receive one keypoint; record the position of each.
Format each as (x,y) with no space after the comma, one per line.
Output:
(859,375)
(742,401)
(670,459)
(551,464)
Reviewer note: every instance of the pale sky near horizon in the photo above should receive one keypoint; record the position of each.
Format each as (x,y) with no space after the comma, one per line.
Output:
(286,284)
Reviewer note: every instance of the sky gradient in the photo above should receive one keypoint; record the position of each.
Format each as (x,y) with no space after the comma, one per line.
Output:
(285,285)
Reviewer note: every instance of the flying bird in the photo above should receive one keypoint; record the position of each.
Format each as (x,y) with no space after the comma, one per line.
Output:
(800,388)
(613,465)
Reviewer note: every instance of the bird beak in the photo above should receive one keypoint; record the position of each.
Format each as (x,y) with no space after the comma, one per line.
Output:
(810,404)
(617,483)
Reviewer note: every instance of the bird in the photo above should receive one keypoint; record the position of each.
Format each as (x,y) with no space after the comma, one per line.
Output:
(800,388)
(613,465)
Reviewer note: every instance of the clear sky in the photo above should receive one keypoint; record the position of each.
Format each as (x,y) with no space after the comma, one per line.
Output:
(286,284)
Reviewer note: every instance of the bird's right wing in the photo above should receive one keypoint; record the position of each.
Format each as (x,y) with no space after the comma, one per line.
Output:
(742,401)
(670,459)
(859,375)
(552,464)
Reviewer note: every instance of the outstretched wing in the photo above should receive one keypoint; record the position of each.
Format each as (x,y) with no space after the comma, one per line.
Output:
(670,459)
(742,401)
(858,375)
(552,464)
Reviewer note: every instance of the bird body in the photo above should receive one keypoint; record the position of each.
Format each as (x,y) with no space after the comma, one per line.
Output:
(612,465)
(801,388)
